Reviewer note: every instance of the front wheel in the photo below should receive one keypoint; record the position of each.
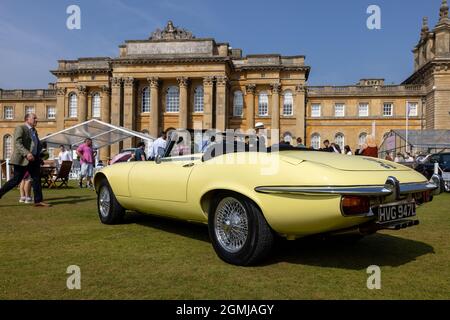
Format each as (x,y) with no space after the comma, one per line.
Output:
(109,209)
(239,232)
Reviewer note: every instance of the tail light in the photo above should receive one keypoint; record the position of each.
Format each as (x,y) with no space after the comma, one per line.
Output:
(423,197)
(352,205)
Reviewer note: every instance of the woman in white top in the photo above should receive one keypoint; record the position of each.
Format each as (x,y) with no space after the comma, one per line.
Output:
(64,155)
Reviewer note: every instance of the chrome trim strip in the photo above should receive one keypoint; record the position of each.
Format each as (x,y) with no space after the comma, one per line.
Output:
(374,191)
(330,190)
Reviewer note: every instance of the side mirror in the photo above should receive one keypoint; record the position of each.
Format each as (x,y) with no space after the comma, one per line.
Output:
(158,159)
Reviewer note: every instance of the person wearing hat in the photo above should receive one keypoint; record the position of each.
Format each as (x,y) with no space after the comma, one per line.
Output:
(261,139)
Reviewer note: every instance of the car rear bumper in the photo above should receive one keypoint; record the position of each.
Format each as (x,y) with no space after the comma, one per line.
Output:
(381,190)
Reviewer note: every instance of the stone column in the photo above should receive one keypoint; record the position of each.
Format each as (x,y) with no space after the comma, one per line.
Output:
(154,107)
(60,108)
(183,114)
(116,84)
(276,88)
(129,109)
(250,105)
(105,152)
(208,87)
(221,102)
(299,111)
(82,103)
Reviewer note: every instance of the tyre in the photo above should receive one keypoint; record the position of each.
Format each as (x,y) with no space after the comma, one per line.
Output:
(109,209)
(238,230)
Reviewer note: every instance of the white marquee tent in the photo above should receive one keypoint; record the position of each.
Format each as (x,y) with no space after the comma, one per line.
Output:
(102,134)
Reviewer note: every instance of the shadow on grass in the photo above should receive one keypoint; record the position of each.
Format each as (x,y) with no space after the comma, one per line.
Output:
(70,200)
(332,252)
(183,228)
(56,201)
(378,249)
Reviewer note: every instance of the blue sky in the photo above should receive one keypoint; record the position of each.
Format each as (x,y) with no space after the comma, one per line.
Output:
(332,34)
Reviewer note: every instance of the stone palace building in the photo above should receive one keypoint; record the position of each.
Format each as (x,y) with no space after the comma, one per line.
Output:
(175,80)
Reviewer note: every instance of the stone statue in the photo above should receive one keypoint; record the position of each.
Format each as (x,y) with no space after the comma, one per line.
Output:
(171,32)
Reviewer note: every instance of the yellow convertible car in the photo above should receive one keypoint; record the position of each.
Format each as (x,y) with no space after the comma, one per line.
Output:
(247,196)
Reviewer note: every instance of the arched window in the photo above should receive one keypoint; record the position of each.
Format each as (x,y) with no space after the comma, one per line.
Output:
(173,99)
(288,102)
(96,105)
(198,99)
(73,105)
(362,139)
(146,100)
(238,104)
(339,139)
(7,146)
(263,104)
(315,141)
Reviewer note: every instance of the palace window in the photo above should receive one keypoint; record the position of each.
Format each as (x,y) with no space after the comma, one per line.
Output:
(8,113)
(145,100)
(7,146)
(73,105)
(363,110)
(198,99)
(362,139)
(339,110)
(316,110)
(96,106)
(388,109)
(263,104)
(173,100)
(51,112)
(238,104)
(29,109)
(413,109)
(339,139)
(288,102)
(315,141)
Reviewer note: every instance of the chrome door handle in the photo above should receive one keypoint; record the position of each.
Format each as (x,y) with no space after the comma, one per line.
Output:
(187,165)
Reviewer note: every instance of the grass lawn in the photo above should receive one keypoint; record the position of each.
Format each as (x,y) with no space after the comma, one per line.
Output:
(154,258)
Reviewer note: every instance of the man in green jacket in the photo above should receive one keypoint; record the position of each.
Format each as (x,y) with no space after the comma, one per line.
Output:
(25,157)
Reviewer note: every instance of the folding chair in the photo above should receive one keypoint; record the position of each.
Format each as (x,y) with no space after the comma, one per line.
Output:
(62,177)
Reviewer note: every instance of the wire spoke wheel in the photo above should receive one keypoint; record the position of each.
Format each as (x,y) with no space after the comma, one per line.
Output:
(104,201)
(231,224)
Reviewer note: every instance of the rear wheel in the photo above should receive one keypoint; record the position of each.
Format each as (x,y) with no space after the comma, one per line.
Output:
(109,209)
(239,233)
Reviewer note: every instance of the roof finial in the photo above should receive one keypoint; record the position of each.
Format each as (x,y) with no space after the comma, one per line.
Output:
(443,12)
(425,28)
(171,32)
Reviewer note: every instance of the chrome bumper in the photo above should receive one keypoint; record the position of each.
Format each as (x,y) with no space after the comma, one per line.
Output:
(374,191)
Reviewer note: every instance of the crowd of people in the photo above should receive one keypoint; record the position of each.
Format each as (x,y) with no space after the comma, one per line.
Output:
(369,149)
(29,157)
(30,153)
